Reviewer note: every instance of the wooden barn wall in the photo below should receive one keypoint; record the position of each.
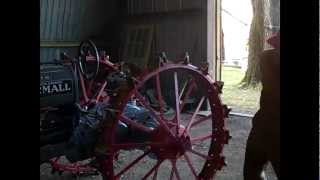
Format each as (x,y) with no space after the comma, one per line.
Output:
(180,26)
(71,21)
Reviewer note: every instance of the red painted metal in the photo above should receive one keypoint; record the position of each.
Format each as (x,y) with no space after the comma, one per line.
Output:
(177,100)
(201,120)
(73,168)
(132,164)
(175,170)
(186,157)
(194,115)
(152,169)
(87,96)
(170,140)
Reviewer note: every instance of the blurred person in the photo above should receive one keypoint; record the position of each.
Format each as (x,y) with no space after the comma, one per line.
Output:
(263,144)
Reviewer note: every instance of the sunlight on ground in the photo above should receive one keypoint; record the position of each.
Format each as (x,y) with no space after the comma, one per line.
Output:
(240,100)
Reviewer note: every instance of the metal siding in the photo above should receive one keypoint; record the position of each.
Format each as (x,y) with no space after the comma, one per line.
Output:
(66,21)
(60,9)
(145,6)
(191,4)
(160,6)
(136,8)
(59,21)
(140,6)
(80,11)
(72,20)
(179,30)
(130,6)
(54,21)
(48,15)
(63,19)
(49,54)
(42,17)
(173,5)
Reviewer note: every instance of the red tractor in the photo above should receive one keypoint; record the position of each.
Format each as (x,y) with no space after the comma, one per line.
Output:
(111,118)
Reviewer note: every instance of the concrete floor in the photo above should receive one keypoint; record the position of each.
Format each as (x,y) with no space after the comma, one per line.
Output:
(234,152)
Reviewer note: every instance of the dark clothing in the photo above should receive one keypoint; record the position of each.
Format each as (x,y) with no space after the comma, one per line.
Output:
(270,69)
(263,143)
(268,116)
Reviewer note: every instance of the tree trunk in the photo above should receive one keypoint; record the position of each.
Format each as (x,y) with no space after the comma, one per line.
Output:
(256,44)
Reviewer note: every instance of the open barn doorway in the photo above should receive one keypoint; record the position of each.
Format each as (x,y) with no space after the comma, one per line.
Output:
(236,18)
(241,22)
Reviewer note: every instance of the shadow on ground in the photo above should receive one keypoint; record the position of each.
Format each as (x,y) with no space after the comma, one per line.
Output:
(234,152)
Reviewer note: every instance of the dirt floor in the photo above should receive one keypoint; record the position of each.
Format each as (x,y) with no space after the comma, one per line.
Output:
(234,152)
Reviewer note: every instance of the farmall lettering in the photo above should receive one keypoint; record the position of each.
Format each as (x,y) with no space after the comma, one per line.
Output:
(50,88)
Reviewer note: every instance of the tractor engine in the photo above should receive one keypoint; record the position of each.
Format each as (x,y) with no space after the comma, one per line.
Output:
(58,94)
(58,85)
(73,130)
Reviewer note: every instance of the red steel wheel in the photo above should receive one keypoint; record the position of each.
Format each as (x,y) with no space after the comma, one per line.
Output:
(184,144)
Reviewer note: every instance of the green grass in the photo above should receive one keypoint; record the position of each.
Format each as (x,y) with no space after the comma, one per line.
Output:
(239,99)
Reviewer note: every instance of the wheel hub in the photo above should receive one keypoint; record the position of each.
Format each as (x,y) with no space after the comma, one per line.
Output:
(173,147)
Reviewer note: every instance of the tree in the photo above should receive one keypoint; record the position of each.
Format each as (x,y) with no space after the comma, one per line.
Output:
(266,20)
(256,44)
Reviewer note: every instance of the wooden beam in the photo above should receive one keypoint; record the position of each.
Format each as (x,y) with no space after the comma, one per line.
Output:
(59,43)
(241,114)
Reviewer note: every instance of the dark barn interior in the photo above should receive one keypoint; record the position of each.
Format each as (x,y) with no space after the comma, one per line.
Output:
(137,32)
(176,27)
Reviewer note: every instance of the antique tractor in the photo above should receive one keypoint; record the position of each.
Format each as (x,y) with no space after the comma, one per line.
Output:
(125,122)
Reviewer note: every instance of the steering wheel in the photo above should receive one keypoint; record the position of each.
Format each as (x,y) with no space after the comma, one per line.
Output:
(88,69)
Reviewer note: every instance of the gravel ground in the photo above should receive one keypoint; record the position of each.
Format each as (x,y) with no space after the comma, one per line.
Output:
(234,152)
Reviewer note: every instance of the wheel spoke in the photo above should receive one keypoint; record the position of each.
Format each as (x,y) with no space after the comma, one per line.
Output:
(201,138)
(153,169)
(176,89)
(101,91)
(190,165)
(183,89)
(175,170)
(188,92)
(159,95)
(136,145)
(132,164)
(171,173)
(194,115)
(201,120)
(155,173)
(153,113)
(171,123)
(134,124)
(83,87)
(199,154)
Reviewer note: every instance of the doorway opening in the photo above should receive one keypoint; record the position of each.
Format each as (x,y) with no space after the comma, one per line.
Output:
(236,18)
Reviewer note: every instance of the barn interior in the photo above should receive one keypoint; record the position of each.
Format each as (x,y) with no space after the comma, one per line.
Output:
(140,32)
(173,27)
